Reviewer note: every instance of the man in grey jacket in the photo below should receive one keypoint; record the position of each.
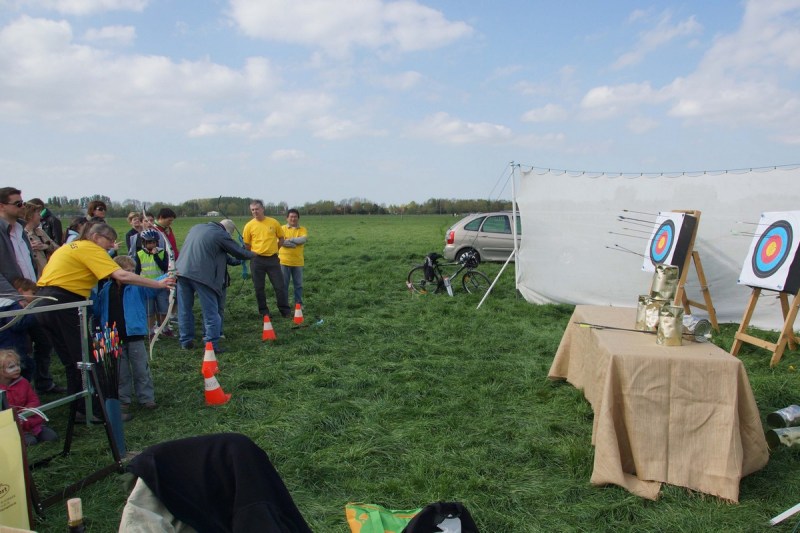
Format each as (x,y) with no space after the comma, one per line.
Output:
(16,256)
(202,266)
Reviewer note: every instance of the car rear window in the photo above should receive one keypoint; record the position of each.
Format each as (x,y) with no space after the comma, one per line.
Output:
(497,224)
(474,225)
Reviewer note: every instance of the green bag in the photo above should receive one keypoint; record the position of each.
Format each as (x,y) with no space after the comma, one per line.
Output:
(371,518)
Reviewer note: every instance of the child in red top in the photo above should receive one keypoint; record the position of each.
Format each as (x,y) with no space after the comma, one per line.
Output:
(19,393)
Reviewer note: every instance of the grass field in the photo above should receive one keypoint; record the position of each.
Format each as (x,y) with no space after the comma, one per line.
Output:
(403,400)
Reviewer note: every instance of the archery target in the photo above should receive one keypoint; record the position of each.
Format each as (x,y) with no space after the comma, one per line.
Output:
(669,243)
(773,262)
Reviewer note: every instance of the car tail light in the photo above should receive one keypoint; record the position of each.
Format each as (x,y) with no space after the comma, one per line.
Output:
(451,237)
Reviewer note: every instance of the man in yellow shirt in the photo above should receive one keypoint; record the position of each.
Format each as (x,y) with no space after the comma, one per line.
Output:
(295,237)
(264,236)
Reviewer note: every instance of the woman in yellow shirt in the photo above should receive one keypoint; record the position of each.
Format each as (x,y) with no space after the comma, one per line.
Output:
(70,275)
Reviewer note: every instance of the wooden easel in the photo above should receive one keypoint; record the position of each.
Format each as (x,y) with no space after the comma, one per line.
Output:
(692,255)
(786,337)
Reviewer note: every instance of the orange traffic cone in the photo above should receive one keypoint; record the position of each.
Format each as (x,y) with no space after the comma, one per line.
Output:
(209,360)
(214,393)
(298,314)
(269,333)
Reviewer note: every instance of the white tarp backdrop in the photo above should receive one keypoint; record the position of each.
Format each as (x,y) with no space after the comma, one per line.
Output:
(569,219)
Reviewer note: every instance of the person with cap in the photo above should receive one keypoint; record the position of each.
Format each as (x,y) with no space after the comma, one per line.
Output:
(202,270)
(152,262)
(50,223)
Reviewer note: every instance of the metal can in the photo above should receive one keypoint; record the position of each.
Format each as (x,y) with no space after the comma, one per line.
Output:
(786,417)
(665,282)
(786,436)
(670,326)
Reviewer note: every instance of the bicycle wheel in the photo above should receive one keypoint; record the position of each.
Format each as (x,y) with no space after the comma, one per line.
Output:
(475,282)
(418,283)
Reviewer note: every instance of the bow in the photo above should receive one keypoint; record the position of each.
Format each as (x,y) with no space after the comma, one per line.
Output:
(172,272)
(35,300)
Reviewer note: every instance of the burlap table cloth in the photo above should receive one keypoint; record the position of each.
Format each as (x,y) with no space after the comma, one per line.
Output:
(681,415)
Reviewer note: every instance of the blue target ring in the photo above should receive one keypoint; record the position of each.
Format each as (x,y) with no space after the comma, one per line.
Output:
(662,243)
(772,249)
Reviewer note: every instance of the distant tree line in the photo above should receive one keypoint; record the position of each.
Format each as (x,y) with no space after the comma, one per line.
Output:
(231,206)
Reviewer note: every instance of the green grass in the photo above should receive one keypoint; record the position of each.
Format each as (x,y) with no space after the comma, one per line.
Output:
(402,400)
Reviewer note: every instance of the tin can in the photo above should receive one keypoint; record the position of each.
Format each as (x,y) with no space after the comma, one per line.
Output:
(652,309)
(665,282)
(641,309)
(670,326)
(784,418)
(786,436)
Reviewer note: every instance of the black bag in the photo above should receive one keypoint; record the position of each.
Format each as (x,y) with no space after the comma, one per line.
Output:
(428,520)
(430,262)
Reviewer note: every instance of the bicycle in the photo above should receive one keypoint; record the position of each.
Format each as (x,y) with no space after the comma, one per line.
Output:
(430,277)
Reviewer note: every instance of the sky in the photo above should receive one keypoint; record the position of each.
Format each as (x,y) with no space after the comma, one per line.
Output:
(392,101)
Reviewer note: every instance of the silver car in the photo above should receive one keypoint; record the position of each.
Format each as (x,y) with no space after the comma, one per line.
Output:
(488,234)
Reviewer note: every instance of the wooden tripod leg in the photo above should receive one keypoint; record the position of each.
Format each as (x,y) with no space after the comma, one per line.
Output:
(785,309)
(787,333)
(748,314)
(701,276)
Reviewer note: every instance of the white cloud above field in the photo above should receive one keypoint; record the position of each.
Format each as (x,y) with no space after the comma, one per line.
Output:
(338,27)
(444,128)
(742,78)
(121,35)
(664,32)
(376,91)
(85,7)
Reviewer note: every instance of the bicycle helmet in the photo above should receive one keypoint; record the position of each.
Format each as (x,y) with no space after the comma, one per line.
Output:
(150,235)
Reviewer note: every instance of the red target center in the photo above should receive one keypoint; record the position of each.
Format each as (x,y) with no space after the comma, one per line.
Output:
(661,243)
(771,248)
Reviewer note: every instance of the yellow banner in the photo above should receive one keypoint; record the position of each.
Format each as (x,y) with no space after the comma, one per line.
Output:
(13,496)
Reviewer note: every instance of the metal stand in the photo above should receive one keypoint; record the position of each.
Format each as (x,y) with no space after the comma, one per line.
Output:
(91,386)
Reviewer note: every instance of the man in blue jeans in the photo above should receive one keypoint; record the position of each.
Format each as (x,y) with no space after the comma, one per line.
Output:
(202,266)
(295,237)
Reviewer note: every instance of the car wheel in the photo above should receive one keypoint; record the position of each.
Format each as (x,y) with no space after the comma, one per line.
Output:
(463,251)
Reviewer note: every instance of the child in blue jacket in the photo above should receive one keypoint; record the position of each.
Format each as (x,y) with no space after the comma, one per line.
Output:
(125,305)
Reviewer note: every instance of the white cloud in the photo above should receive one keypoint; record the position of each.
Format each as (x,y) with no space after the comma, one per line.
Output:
(287,155)
(337,27)
(207,129)
(663,33)
(607,101)
(402,81)
(99,159)
(87,7)
(547,113)
(47,75)
(750,75)
(642,124)
(747,77)
(444,128)
(332,128)
(123,35)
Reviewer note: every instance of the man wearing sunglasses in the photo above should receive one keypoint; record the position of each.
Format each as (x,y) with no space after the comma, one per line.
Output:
(16,257)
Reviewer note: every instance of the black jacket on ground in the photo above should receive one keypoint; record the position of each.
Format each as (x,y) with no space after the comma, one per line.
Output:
(219,483)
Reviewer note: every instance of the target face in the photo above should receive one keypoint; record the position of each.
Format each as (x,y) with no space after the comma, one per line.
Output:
(662,242)
(772,262)
(669,242)
(772,249)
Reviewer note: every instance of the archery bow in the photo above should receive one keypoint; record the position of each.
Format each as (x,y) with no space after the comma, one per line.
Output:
(172,272)
(33,303)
